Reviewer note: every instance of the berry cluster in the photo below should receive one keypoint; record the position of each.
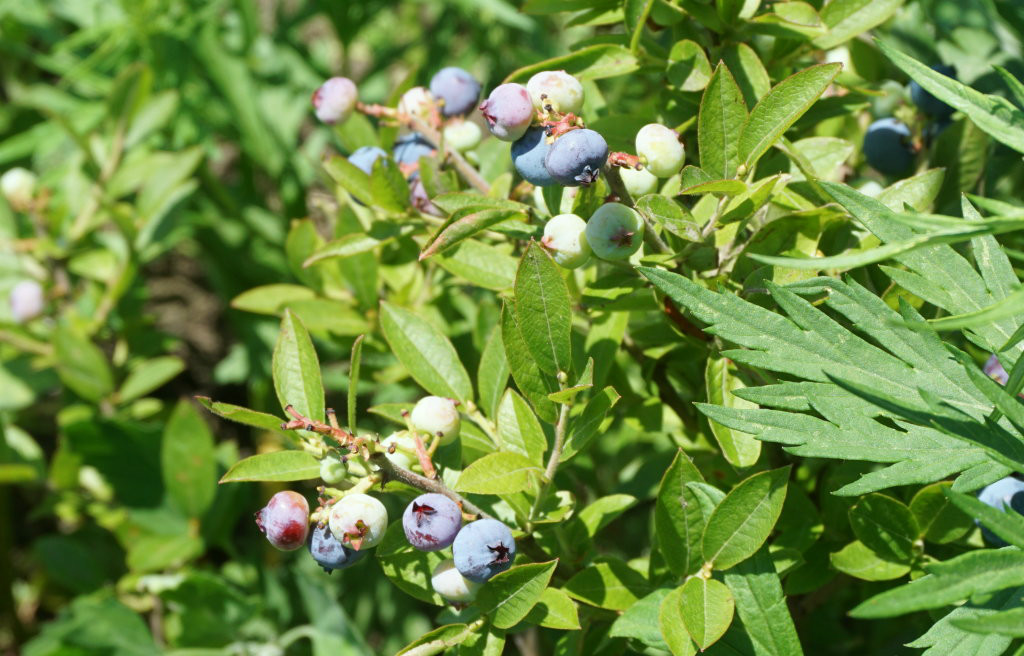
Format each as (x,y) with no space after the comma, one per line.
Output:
(346,527)
(889,145)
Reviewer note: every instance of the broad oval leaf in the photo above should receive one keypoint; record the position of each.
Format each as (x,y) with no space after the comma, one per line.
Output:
(511,594)
(519,429)
(708,607)
(743,520)
(939,520)
(555,610)
(498,473)
(721,110)
(188,460)
(425,352)
(678,520)
(467,226)
(849,18)
(672,625)
(543,310)
(860,562)
(534,385)
(885,526)
(590,63)
(274,466)
(608,584)
(296,369)
(81,365)
(240,414)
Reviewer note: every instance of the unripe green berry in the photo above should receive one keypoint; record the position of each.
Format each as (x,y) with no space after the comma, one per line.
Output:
(404,453)
(437,415)
(462,135)
(615,231)
(333,470)
(639,183)
(565,238)
(661,148)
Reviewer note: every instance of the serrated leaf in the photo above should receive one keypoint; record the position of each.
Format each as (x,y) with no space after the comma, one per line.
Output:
(707,607)
(1007,623)
(543,310)
(743,520)
(296,369)
(278,466)
(498,473)
(1006,523)
(188,460)
(511,594)
(780,108)
(426,353)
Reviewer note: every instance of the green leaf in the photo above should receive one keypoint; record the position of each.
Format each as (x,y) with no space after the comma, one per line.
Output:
(346,246)
(554,610)
(673,626)
(511,594)
(744,519)
(636,13)
(688,67)
(388,187)
(885,526)
(762,607)
(279,466)
(534,385)
(857,560)
(482,264)
(425,352)
(1007,623)
(1006,523)
(355,359)
(439,639)
(671,215)
(584,427)
(498,473)
(610,584)
(944,637)
(918,191)
(993,114)
(467,226)
(188,460)
(1009,306)
(1015,85)
(297,370)
(81,365)
(748,70)
(149,375)
(543,310)
(707,607)
(240,414)
(352,179)
(408,568)
(155,552)
(721,379)
(849,18)
(589,63)
(678,521)
(492,375)
(975,572)
(519,429)
(780,108)
(600,512)
(640,621)
(939,519)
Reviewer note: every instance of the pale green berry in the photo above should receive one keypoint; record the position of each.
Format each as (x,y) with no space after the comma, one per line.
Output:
(661,148)
(359,521)
(561,91)
(462,135)
(450,584)
(404,454)
(615,231)
(639,183)
(19,187)
(437,415)
(417,102)
(333,470)
(566,239)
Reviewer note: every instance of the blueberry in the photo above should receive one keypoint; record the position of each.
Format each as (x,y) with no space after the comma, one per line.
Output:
(482,549)
(661,148)
(364,157)
(558,90)
(27,301)
(411,147)
(285,520)
(450,584)
(417,102)
(457,89)
(576,157)
(404,453)
(18,186)
(436,415)
(565,238)
(994,369)
(334,100)
(928,103)
(638,183)
(329,553)
(359,521)
(508,111)
(615,231)
(431,521)
(419,198)
(895,95)
(528,155)
(1005,493)
(462,135)
(887,146)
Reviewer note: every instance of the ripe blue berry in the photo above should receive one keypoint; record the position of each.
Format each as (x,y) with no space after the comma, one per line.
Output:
(334,100)
(419,198)
(565,238)
(285,520)
(1006,493)
(482,549)
(359,521)
(450,584)
(508,111)
(887,146)
(457,89)
(329,552)
(661,148)
(615,231)
(27,301)
(411,147)
(576,157)
(364,157)
(431,522)
(556,90)
(528,155)
(994,369)
(928,103)
(436,415)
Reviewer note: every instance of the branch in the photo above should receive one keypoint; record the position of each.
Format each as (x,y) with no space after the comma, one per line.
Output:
(552,468)
(393,471)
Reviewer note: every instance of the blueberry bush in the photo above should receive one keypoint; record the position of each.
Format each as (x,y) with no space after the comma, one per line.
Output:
(576,327)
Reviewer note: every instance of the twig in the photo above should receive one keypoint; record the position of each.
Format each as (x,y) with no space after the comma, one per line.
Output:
(553,460)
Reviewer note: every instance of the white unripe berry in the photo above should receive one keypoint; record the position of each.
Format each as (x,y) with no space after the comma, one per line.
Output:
(450,584)
(19,187)
(27,301)
(359,521)
(661,148)
(561,91)
(417,102)
(565,238)
(437,415)
(639,183)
